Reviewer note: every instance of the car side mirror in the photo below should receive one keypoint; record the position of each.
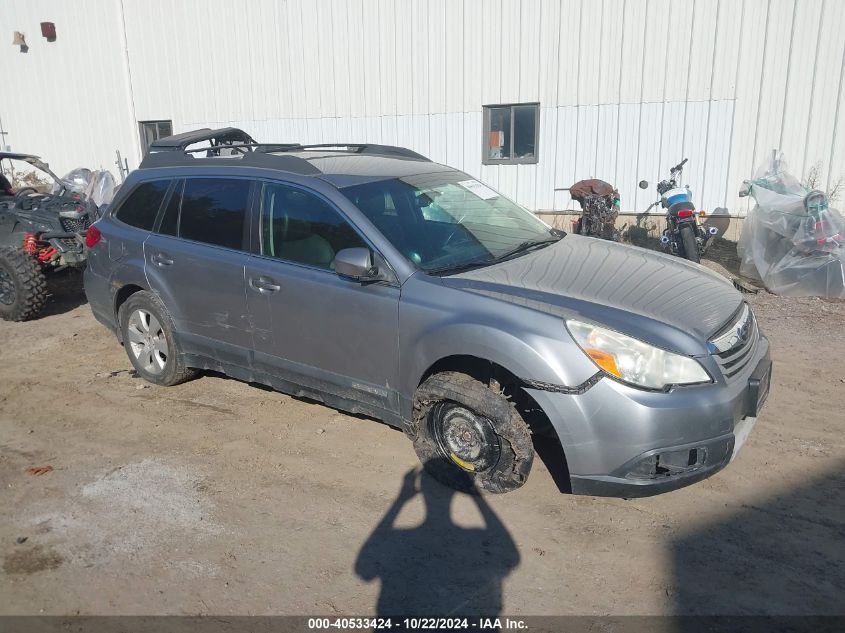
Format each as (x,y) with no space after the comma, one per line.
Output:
(357,264)
(643,184)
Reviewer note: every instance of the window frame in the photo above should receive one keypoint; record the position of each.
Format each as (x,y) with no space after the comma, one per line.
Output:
(258,226)
(145,147)
(485,137)
(116,208)
(179,183)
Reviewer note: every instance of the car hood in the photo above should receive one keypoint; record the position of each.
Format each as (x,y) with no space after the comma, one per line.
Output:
(627,288)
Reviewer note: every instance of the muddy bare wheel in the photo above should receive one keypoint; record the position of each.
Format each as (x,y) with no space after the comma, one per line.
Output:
(23,287)
(147,332)
(469,436)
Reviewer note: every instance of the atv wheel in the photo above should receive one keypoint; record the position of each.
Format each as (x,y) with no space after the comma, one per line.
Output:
(147,331)
(469,436)
(23,287)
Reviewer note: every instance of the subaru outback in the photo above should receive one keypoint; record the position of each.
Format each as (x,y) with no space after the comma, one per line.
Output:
(378,282)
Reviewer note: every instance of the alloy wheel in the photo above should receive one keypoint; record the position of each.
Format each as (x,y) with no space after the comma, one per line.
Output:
(147,341)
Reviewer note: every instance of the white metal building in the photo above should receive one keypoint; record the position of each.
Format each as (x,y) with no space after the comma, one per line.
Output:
(623,88)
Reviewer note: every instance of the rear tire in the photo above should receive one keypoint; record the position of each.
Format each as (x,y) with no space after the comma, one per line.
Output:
(690,244)
(454,413)
(23,287)
(147,332)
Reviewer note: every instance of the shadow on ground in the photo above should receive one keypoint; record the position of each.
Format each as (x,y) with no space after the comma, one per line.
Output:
(66,292)
(437,568)
(782,556)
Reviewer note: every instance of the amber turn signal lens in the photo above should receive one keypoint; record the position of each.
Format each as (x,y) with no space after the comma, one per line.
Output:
(604,360)
(701,214)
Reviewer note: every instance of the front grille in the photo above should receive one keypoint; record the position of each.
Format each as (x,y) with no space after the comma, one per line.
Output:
(734,359)
(72,225)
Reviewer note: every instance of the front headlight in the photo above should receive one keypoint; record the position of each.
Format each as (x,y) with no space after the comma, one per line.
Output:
(633,361)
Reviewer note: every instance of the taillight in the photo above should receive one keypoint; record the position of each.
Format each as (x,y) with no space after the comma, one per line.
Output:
(92,236)
(686,213)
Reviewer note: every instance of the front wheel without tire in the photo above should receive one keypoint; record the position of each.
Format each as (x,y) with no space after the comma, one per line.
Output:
(469,436)
(147,331)
(23,287)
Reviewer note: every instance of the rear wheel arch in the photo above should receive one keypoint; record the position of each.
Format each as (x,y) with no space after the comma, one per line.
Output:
(120,298)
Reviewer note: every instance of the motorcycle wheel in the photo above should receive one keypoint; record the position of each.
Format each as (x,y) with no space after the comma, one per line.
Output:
(690,244)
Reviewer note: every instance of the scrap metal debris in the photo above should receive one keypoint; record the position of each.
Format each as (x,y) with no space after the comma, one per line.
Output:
(39,470)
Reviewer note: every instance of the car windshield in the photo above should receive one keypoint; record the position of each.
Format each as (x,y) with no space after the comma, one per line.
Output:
(445,222)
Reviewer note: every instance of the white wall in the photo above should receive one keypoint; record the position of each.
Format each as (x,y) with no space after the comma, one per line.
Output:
(66,100)
(627,87)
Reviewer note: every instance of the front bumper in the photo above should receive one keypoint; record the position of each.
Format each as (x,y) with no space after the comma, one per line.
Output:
(625,442)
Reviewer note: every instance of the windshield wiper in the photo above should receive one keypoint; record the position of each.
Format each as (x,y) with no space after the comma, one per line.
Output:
(527,246)
(487,260)
(462,267)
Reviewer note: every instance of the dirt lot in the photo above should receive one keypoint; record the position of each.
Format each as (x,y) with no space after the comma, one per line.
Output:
(221,497)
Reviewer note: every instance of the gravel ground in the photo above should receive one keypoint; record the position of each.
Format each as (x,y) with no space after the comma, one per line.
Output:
(218,497)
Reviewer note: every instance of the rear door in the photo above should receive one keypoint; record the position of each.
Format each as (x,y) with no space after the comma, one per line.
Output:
(322,332)
(195,260)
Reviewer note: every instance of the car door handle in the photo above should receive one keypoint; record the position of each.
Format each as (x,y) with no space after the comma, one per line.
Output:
(264,284)
(160,259)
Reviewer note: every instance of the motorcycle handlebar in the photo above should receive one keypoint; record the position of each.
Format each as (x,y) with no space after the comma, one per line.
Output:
(679,165)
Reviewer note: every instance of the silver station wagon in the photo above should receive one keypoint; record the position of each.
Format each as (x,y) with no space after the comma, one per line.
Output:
(381,283)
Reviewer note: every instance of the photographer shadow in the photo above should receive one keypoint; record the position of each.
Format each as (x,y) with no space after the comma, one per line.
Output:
(437,568)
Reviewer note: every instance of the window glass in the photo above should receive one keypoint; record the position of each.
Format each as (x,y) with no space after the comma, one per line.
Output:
(510,134)
(447,220)
(141,207)
(170,220)
(300,227)
(524,125)
(500,133)
(214,211)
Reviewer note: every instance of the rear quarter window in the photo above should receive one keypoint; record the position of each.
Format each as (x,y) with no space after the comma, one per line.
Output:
(141,207)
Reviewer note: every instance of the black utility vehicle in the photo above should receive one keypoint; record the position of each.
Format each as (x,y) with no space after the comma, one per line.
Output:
(40,233)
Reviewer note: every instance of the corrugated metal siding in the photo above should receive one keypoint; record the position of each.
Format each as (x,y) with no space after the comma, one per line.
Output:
(66,100)
(627,87)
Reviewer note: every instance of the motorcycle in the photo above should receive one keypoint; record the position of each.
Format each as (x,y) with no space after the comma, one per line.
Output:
(599,201)
(683,235)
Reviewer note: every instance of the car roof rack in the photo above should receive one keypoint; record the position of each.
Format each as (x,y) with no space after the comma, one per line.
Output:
(224,143)
(220,136)
(293,164)
(354,148)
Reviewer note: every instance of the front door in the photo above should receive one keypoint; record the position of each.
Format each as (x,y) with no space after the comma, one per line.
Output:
(195,261)
(316,333)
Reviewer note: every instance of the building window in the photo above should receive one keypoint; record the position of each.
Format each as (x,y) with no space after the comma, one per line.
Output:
(510,134)
(152,131)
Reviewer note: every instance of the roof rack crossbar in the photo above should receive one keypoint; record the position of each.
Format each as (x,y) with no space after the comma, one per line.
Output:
(293,164)
(369,148)
(173,150)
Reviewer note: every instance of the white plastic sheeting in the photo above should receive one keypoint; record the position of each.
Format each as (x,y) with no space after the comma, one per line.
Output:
(98,185)
(792,240)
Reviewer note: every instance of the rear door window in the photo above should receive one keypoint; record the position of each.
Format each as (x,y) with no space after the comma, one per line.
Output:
(141,207)
(212,211)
